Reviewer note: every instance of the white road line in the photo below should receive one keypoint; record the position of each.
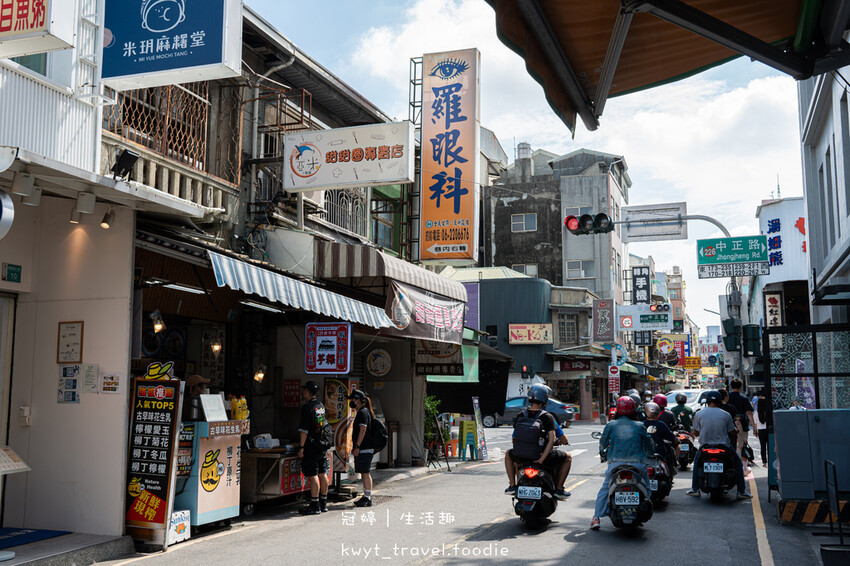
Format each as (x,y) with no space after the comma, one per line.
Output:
(581,443)
(575,453)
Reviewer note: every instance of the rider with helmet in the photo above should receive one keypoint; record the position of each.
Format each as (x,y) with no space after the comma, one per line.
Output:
(535,434)
(684,414)
(666,416)
(624,441)
(635,396)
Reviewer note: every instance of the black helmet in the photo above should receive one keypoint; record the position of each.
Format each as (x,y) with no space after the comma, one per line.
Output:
(538,392)
(636,398)
(713,397)
(681,398)
(311,386)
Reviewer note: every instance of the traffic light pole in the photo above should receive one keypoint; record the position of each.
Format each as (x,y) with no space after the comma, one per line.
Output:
(733,310)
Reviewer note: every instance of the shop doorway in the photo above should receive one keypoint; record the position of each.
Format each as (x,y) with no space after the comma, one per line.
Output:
(7,327)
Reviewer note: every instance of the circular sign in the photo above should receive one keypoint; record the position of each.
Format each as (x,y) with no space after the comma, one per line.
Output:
(712,360)
(378,362)
(664,345)
(624,354)
(626,322)
(613,371)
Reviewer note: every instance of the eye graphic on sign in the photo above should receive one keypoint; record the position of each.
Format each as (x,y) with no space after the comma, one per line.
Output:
(305,160)
(449,69)
(160,16)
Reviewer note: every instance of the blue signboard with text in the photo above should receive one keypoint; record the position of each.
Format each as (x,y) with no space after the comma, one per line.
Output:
(155,42)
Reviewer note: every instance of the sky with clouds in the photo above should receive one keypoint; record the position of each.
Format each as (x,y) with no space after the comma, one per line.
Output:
(717,140)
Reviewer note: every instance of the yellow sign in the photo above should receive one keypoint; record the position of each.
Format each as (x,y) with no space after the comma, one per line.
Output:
(692,362)
(664,345)
(450,174)
(710,370)
(530,334)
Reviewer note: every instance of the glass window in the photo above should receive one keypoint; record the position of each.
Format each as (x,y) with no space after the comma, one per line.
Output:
(567,329)
(577,211)
(515,403)
(524,222)
(581,269)
(37,62)
(382,223)
(529,269)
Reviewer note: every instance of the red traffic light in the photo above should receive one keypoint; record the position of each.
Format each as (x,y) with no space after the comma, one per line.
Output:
(571,222)
(524,368)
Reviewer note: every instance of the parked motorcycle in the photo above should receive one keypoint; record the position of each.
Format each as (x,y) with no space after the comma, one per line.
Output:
(687,449)
(535,494)
(629,503)
(717,465)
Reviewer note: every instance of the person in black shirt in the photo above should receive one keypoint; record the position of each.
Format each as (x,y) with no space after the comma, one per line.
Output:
(363,451)
(314,461)
(745,411)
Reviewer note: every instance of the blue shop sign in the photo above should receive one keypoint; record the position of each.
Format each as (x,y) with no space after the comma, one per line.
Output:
(152,40)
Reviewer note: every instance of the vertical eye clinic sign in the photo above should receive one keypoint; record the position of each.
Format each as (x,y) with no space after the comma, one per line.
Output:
(450,149)
(149,43)
(363,156)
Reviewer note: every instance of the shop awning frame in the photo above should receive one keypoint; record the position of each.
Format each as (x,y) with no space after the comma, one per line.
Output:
(584,51)
(276,287)
(365,266)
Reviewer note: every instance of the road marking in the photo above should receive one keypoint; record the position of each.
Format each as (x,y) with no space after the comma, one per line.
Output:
(761,532)
(575,453)
(484,464)
(575,485)
(581,443)
(186,544)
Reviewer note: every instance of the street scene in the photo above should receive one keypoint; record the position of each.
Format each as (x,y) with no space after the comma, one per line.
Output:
(424,281)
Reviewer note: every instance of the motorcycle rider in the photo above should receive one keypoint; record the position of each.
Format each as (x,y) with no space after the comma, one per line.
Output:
(661,432)
(684,414)
(538,396)
(635,396)
(713,425)
(666,416)
(625,441)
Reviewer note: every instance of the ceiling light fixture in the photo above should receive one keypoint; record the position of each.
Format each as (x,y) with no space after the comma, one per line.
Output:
(261,373)
(22,183)
(34,198)
(158,323)
(261,306)
(75,217)
(85,203)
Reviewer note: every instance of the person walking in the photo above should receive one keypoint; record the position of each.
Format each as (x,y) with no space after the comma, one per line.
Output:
(313,449)
(363,450)
(745,416)
(761,427)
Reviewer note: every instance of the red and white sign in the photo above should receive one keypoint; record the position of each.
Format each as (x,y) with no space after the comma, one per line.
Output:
(575,365)
(626,321)
(327,348)
(709,349)
(613,379)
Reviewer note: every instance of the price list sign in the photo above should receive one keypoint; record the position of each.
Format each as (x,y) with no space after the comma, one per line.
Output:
(155,422)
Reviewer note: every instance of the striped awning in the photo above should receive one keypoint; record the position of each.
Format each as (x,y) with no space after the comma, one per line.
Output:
(349,261)
(253,279)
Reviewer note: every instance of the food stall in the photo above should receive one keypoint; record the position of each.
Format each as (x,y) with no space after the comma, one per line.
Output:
(208,464)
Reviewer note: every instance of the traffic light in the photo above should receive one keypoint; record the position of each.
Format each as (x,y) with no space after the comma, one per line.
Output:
(589,224)
(752,340)
(732,340)
(525,372)
(663,307)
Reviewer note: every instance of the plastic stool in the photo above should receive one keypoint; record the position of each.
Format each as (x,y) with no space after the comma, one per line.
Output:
(473,448)
(451,448)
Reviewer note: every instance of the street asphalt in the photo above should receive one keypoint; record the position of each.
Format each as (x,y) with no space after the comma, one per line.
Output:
(463,517)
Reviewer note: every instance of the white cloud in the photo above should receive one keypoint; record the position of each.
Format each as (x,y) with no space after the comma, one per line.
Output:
(699,140)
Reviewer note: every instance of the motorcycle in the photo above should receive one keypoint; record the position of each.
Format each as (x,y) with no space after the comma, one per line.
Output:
(718,470)
(629,503)
(687,449)
(535,494)
(660,480)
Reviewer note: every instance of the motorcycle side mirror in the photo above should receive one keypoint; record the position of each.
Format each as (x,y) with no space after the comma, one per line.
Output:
(651,429)
(596,435)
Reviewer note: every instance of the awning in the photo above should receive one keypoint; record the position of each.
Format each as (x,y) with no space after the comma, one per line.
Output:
(253,279)
(367,267)
(584,51)
(629,368)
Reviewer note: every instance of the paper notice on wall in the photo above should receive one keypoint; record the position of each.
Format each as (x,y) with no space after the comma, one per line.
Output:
(112,383)
(70,377)
(90,375)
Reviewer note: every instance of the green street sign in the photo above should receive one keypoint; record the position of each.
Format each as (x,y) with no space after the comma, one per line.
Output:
(742,249)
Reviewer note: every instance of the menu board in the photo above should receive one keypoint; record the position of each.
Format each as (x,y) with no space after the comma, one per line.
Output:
(292,393)
(184,449)
(11,463)
(154,422)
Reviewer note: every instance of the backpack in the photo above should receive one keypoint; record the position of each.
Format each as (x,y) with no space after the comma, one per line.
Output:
(528,431)
(378,435)
(323,436)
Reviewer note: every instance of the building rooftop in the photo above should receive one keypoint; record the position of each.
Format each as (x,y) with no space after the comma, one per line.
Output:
(479,273)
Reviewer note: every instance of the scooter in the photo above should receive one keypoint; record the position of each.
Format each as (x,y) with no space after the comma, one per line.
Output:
(660,480)
(717,465)
(629,503)
(687,449)
(535,494)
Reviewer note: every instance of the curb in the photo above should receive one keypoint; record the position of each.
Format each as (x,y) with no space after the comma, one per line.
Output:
(809,511)
(406,473)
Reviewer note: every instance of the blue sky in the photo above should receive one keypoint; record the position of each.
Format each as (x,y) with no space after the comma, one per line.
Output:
(717,140)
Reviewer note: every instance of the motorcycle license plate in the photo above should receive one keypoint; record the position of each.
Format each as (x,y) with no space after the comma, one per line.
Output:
(713,467)
(526,492)
(627,498)
(653,485)
(684,448)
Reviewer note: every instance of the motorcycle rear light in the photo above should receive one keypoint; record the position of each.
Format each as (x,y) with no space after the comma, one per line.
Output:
(531,473)
(650,472)
(625,475)
(683,438)
(714,451)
